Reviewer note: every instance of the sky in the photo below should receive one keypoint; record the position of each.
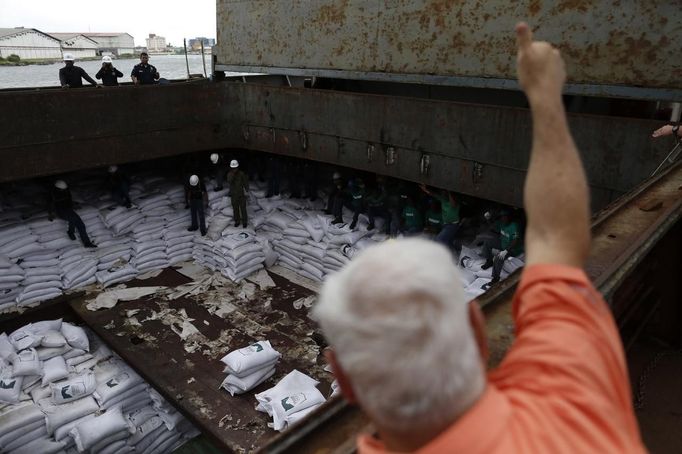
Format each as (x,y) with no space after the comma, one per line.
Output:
(172,19)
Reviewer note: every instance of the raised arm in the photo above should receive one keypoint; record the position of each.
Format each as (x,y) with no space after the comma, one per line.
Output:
(556,196)
(87,77)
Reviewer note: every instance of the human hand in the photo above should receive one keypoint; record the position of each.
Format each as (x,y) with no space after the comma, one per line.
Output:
(666,130)
(540,67)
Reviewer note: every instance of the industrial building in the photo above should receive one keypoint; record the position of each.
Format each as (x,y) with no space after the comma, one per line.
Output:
(28,44)
(114,43)
(80,46)
(156,43)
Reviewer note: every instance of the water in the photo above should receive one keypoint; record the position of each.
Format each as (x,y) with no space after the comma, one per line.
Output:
(169,66)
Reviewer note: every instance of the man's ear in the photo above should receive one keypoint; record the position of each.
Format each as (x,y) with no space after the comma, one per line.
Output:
(344,382)
(477,321)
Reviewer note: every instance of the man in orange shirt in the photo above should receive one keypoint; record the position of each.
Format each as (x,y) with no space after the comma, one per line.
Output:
(412,354)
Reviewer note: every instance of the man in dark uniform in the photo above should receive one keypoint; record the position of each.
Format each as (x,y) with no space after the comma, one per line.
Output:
(119,184)
(108,73)
(239,185)
(196,199)
(71,76)
(60,203)
(143,73)
(336,198)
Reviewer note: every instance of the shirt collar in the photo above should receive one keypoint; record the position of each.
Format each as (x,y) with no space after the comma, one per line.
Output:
(492,411)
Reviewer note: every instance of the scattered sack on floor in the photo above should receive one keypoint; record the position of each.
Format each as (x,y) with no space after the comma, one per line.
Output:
(244,361)
(236,385)
(293,394)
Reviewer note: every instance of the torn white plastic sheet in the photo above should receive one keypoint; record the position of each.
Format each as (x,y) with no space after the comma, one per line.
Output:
(109,299)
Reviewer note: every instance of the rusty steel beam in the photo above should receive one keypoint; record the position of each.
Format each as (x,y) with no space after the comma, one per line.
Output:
(629,48)
(641,219)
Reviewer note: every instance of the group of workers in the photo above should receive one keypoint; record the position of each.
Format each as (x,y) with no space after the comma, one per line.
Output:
(71,76)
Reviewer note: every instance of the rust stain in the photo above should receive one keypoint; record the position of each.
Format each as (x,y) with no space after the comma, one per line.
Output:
(582,6)
(333,14)
(533,8)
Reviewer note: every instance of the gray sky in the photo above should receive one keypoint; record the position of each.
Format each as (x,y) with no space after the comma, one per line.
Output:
(172,19)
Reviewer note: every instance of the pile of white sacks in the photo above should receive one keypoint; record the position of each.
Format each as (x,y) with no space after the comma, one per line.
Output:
(248,367)
(474,279)
(39,262)
(63,391)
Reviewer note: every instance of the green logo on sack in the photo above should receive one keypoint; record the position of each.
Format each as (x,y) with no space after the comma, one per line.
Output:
(112,383)
(5,385)
(257,348)
(290,402)
(65,394)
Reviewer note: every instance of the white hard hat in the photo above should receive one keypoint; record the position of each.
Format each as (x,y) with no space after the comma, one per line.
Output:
(194,180)
(60,184)
(337,176)
(214,158)
(69,57)
(234,164)
(106,59)
(487,215)
(113,169)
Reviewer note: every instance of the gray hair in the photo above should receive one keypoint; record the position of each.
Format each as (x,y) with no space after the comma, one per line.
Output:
(398,321)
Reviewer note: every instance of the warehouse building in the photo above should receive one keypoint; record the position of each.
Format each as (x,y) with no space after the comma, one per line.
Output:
(114,43)
(28,44)
(78,45)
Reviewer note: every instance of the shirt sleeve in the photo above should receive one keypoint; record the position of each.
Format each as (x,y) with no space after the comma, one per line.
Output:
(118,73)
(62,78)
(99,73)
(132,73)
(568,358)
(87,77)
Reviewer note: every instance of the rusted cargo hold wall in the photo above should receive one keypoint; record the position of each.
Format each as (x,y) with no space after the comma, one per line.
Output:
(474,149)
(629,42)
(51,131)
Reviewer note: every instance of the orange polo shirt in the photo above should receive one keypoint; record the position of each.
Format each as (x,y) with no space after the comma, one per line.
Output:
(563,386)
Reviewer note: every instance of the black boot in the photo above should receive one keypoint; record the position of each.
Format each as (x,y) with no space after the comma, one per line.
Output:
(203,232)
(89,244)
(370,227)
(72,235)
(236,223)
(337,221)
(353,224)
(487,264)
(192,229)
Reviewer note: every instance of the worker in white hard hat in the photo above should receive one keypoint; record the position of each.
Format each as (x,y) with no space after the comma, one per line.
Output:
(71,76)
(239,186)
(218,162)
(119,185)
(108,73)
(61,205)
(196,201)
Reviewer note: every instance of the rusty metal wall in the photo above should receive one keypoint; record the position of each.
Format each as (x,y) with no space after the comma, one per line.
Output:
(474,149)
(624,42)
(470,148)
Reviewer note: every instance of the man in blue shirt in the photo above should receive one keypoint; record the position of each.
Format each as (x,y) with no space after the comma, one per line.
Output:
(143,73)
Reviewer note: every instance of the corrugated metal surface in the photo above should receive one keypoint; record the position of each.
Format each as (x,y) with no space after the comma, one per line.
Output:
(622,42)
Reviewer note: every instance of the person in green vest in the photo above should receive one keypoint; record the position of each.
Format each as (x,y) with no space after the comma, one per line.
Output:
(412,218)
(434,218)
(239,187)
(449,207)
(508,243)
